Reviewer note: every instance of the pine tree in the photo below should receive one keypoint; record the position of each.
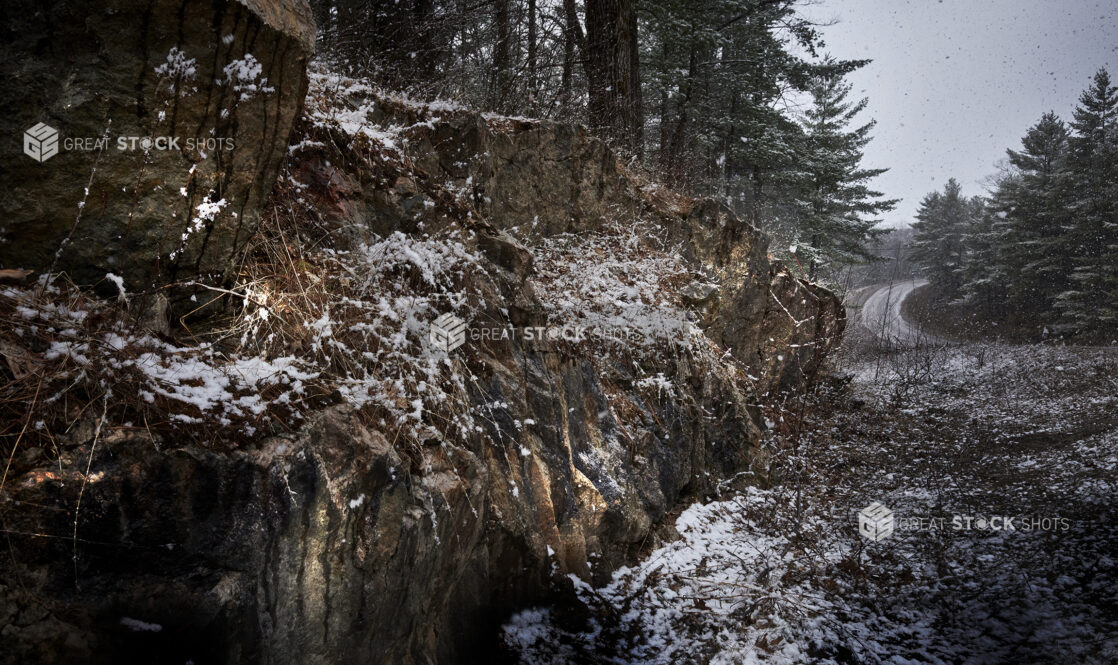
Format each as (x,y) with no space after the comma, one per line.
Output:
(1031,212)
(836,208)
(718,75)
(1091,237)
(939,241)
(984,279)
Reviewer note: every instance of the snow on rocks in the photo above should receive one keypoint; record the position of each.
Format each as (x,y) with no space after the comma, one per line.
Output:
(364,335)
(780,575)
(347,104)
(620,283)
(719,594)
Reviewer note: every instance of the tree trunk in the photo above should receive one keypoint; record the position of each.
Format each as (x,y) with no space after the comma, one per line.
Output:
(670,161)
(572,39)
(323,22)
(501,55)
(635,100)
(612,71)
(757,178)
(662,151)
(533,91)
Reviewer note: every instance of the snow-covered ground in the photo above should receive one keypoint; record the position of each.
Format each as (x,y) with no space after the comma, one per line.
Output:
(949,439)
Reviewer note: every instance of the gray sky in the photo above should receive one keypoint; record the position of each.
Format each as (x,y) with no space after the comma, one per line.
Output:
(956,82)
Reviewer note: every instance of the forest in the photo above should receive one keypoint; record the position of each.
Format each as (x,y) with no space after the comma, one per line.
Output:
(733,99)
(558,332)
(1042,246)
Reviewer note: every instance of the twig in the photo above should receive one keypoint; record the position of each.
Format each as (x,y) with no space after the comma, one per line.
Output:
(85,481)
(19,438)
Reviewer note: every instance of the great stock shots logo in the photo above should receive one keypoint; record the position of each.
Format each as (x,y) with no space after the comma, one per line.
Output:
(448,332)
(40,142)
(875,522)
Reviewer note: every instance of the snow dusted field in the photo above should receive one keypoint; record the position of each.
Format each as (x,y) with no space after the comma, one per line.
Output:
(946,437)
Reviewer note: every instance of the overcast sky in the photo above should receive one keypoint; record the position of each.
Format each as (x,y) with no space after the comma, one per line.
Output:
(956,82)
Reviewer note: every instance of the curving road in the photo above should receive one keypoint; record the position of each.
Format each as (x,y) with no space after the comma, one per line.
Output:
(881,315)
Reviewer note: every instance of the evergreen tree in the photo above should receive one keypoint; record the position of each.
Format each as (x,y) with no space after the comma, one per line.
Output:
(984,279)
(718,74)
(1091,237)
(943,222)
(1031,211)
(836,208)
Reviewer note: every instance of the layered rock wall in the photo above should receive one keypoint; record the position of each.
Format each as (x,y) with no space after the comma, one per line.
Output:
(335,543)
(170,121)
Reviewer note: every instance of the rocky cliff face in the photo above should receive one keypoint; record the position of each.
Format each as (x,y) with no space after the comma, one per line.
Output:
(402,522)
(169,120)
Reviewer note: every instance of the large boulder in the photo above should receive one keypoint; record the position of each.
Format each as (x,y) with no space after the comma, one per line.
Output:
(170,121)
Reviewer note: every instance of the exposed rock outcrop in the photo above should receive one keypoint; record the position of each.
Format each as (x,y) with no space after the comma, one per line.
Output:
(536,179)
(170,121)
(336,544)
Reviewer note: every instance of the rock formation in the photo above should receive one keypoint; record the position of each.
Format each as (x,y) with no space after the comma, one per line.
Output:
(170,119)
(337,543)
